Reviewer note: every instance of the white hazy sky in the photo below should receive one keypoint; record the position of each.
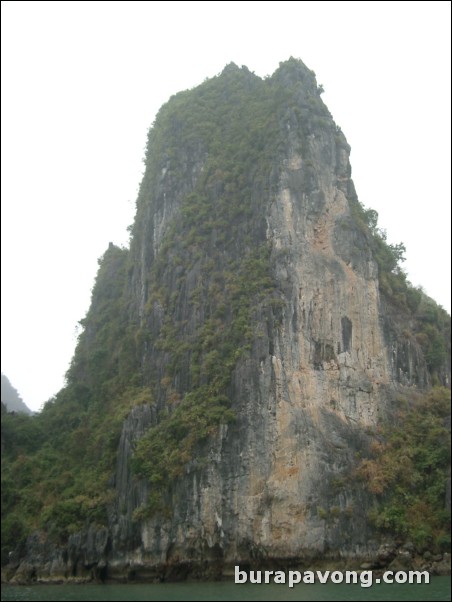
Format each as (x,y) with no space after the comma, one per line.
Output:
(82,82)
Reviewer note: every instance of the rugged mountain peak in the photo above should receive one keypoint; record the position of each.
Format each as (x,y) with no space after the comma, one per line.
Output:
(238,359)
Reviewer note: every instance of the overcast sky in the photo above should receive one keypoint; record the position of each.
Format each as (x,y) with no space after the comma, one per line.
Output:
(82,82)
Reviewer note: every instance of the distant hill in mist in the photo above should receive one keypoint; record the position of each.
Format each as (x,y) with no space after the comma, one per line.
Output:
(11,398)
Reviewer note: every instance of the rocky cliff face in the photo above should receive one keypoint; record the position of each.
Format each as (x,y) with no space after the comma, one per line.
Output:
(252,289)
(318,374)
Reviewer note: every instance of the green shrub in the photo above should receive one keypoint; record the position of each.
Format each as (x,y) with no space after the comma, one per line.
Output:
(408,470)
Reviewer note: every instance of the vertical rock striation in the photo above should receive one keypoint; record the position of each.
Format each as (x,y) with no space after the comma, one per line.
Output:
(322,368)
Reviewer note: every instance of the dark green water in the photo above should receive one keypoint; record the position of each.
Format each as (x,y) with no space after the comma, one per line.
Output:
(437,589)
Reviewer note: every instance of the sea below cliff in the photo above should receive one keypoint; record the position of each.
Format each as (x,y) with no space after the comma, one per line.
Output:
(437,589)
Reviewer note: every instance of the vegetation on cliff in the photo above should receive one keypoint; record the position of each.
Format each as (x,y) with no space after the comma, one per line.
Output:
(408,470)
(431,322)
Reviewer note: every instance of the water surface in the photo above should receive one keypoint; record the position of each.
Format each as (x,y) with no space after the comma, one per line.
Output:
(437,589)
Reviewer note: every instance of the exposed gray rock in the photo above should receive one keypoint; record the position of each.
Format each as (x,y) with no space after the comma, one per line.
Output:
(442,567)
